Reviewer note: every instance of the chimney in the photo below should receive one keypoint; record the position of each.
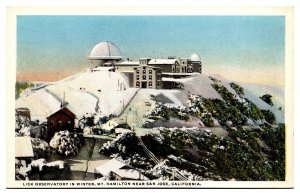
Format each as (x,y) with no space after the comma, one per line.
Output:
(62,104)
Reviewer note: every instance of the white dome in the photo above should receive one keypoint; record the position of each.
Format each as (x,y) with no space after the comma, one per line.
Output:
(195,58)
(106,50)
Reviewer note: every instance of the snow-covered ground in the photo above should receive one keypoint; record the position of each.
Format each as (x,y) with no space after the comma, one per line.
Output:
(277,92)
(199,85)
(86,91)
(83,91)
(254,91)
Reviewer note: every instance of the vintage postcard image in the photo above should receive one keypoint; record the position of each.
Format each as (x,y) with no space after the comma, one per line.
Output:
(110,98)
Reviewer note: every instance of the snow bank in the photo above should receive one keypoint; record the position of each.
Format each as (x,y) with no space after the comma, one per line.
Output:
(277,92)
(200,85)
(84,92)
(254,91)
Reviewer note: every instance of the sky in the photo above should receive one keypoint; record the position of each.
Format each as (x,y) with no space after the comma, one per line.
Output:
(240,48)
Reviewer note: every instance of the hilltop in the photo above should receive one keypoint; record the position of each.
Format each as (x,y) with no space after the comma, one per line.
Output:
(108,93)
(206,128)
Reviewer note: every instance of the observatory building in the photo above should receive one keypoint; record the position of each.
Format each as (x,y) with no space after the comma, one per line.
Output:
(107,54)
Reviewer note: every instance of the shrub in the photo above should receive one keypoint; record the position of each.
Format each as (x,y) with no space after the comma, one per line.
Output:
(40,148)
(269,116)
(65,143)
(268,99)
(238,89)
(207,120)
(21,86)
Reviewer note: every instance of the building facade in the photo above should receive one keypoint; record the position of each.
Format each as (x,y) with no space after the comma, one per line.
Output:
(146,72)
(147,77)
(63,119)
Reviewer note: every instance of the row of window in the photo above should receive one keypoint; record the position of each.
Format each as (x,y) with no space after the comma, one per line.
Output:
(52,122)
(144,77)
(149,83)
(144,71)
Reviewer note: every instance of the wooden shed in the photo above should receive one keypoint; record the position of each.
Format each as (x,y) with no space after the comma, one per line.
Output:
(63,119)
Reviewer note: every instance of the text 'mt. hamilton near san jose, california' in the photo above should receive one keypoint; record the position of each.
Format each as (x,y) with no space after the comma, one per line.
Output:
(150,98)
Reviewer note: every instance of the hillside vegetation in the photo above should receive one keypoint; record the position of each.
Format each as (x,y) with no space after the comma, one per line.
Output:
(252,150)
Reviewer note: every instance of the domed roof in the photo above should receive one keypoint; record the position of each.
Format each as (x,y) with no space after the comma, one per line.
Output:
(106,50)
(195,58)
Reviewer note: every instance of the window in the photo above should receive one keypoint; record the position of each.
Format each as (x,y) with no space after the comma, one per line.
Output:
(150,83)
(150,76)
(144,77)
(150,71)
(137,72)
(137,77)
(137,84)
(51,122)
(144,71)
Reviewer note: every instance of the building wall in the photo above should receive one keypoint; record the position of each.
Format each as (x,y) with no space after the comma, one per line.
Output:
(164,67)
(184,64)
(197,67)
(130,77)
(96,63)
(25,112)
(147,77)
(124,68)
(59,122)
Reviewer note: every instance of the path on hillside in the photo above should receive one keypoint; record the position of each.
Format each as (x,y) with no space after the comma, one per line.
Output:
(84,163)
(135,112)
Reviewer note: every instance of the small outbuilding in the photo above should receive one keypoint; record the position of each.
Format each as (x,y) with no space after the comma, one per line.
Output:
(23,150)
(117,170)
(25,112)
(63,119)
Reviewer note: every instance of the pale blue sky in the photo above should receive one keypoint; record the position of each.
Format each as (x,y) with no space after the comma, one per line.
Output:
(54,43)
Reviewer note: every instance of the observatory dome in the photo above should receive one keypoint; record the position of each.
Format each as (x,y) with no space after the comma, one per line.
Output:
(105,50)
(195,58)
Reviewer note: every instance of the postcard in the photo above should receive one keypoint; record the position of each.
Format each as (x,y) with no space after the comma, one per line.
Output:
(119,97)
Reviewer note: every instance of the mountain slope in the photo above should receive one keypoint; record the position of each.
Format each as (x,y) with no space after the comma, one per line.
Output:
(109,92)
(84,92)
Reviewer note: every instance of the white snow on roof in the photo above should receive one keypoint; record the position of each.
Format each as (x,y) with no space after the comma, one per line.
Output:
(130,174)
(124,63)
(162,61)
(195,58)
(105,50)
(109,125)
(122,130)
(120,168)
(102,68)
(109,166)
(23,147)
